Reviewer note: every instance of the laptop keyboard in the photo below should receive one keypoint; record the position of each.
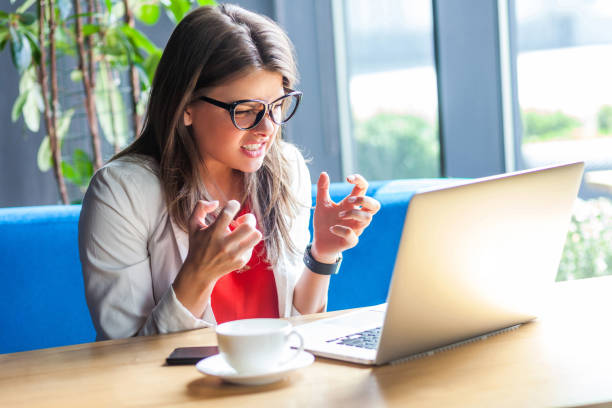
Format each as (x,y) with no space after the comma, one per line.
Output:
(367,339)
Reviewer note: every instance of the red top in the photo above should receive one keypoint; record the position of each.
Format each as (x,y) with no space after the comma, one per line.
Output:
(248,293)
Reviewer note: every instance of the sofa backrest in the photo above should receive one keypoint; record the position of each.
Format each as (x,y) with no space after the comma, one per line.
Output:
(43,302)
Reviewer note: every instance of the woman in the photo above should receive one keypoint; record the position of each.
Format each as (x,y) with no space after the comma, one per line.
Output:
(204,218)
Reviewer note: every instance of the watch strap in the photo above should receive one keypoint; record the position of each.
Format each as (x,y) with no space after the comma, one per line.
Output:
(319,267)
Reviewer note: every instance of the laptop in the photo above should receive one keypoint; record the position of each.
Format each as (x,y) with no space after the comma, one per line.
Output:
(474,259)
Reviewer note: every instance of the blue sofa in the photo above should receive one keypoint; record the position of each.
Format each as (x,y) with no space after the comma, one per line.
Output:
(43,303)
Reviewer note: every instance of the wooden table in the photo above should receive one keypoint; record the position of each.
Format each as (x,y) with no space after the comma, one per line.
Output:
(562,359)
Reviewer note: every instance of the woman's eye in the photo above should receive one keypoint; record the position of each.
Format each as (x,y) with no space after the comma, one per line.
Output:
(245,112)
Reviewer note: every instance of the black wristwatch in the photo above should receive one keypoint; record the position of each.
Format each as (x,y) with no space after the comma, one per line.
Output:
(318,267)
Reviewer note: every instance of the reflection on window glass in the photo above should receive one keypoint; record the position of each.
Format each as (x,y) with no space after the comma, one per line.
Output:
(392,88)
(564,70)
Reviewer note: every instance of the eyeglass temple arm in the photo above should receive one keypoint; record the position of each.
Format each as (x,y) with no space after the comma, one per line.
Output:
(215,102)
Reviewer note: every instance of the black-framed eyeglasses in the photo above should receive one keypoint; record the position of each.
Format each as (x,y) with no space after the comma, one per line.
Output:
(247,113)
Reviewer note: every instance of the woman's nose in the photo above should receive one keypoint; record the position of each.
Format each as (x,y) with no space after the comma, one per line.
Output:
(266,125)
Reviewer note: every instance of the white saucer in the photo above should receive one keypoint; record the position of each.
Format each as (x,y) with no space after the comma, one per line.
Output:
(217,366)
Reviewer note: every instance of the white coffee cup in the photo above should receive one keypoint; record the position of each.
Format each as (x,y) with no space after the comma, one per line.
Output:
(256,345)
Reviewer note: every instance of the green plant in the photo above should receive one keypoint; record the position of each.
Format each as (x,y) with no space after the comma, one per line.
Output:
(543,126)
(604,120)
(588,247)
(389,146)
(104,46)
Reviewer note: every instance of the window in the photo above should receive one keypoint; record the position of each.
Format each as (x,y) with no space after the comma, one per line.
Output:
(391,88)
(564,62)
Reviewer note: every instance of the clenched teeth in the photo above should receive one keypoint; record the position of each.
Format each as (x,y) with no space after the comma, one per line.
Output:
(252,147)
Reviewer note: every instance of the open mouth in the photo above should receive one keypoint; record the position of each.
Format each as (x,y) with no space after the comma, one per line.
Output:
(254,150)
(253,147)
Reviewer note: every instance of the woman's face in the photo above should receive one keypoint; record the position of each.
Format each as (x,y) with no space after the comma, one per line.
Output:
(223,146)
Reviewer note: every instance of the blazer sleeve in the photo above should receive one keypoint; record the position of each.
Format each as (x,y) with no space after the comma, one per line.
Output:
(120,209)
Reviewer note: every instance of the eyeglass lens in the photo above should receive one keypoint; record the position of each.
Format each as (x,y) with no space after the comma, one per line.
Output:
(249,114)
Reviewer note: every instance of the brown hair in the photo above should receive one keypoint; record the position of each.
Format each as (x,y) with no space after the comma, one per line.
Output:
(209,46)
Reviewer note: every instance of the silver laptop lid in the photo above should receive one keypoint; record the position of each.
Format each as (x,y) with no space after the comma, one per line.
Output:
(476,257)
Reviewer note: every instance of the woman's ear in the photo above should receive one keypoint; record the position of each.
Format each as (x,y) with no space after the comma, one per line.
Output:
(187,118)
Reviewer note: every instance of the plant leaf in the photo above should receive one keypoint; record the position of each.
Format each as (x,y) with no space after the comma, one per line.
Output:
(31,37)
(63,124)
(139,39)
(150,65)
(89,29)
(18,106)
(69,172)
(113,43)
(111,109)
(207,2)
(20,50)
(128,50)
(26,5)
(31,112)
(76,75)
(33,105)
(27,80)
(148,13)
(83,166)
(27,18)
(4,36)
(44,159)
(176,9)
(117,12)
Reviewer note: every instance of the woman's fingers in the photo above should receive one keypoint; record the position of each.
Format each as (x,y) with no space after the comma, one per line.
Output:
(244,233)
(349,236)
(363,217)
(323,197)
(252,239)
(365,203)
(247,218)
(227,215)
(198,216)
(357,220)
(361,185)
(239,244)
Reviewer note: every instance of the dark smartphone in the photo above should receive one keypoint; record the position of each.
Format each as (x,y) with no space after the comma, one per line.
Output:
(190,355)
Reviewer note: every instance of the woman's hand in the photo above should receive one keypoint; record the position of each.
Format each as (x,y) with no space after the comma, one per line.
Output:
(214,251)
(338,226)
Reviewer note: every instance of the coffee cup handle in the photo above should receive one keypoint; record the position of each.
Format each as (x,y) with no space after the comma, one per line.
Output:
(298,350)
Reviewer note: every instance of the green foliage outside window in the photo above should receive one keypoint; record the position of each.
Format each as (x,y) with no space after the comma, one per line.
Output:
(543,126)
(604,120)
(588,248)
(392,146)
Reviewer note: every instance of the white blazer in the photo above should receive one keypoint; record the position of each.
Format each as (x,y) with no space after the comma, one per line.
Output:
(131,251)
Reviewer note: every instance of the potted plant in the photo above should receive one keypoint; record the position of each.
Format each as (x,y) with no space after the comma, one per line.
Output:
(108,55)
